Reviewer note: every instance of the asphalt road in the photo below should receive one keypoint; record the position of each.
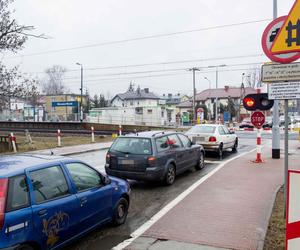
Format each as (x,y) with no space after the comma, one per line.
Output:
(146,199)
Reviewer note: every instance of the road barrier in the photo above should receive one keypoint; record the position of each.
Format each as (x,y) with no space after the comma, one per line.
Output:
(93,134)
(13,142)
(58,138)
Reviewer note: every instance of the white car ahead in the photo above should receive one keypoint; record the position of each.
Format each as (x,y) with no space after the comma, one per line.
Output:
(213,137)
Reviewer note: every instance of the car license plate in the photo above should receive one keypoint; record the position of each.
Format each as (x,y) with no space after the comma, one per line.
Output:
(200,138)
(127,162)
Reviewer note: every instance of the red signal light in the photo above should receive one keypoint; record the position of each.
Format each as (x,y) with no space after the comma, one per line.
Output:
(249,102)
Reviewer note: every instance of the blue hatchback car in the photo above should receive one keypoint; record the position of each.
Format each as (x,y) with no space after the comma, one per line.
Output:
(47,201)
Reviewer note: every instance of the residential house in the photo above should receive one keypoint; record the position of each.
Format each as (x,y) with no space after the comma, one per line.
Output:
(135,107)
(207,97)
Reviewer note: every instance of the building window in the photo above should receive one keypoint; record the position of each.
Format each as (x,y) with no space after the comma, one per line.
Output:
(131,103)
(139,111)
(149,111)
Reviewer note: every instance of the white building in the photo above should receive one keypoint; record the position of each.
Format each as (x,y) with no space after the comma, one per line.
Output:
(134,107)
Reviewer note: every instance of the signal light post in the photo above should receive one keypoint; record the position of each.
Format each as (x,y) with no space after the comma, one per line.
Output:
(254,102)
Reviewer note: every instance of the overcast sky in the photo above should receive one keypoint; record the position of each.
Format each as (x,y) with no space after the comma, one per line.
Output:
(81,23)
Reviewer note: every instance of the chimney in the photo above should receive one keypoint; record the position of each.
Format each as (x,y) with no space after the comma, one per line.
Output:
(146,90)
(226,88)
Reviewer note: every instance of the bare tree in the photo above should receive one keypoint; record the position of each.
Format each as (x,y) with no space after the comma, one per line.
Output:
(54,85)
(253,78)
(12,39)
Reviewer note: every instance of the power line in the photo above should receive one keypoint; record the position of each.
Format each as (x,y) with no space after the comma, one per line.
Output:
(158,71)
(141,38)
(160,63)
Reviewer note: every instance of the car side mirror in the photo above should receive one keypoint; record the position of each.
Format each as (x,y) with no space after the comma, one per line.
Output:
(105,180)
(231,132)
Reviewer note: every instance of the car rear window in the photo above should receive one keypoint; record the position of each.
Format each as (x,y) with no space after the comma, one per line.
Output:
(131,145)
(17,193)
(202,129)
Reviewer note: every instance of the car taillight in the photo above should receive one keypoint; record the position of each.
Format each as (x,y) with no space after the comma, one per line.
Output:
(107,157)
(151,161)
(212,139)
(3,192)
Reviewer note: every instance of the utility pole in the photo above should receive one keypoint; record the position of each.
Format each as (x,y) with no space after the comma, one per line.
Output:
(275,127)
(81,89)
(217,79)
(217,82)
(194,92)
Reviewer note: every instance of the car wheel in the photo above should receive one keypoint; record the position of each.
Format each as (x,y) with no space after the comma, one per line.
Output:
(220,151)
(121,212)
(235,146)
(200,164)
(170,176)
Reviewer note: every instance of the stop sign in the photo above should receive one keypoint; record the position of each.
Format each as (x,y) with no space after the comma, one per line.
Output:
(258,119)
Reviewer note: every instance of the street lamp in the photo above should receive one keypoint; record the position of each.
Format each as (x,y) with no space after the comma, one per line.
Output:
(217,79)
(81,89)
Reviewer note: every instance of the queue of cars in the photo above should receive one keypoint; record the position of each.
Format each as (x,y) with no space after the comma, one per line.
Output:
(48,201)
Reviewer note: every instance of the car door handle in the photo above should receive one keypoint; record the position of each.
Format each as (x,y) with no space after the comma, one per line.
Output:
(83,201)
(42,212)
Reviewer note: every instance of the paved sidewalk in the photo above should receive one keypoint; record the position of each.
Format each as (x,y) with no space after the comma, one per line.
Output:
(71,150)
(230,210)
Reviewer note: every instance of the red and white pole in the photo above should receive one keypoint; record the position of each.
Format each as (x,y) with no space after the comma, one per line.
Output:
(120,129)
(93,134)
(13,142)
(58,138)
(258,153)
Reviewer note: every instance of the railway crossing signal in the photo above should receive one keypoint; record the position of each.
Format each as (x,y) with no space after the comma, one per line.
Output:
(254,102)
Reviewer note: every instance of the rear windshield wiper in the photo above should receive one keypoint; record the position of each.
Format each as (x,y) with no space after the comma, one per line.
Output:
(127,153)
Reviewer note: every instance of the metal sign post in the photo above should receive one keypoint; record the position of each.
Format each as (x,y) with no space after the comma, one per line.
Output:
(286,147)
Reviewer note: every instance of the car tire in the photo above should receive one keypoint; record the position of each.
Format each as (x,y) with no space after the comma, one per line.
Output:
(200,164)
(170,175)
(235,146)
(121,211)
(25,247)
(220,151)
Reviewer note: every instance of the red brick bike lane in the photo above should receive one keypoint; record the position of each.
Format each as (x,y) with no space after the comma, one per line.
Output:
(231,209)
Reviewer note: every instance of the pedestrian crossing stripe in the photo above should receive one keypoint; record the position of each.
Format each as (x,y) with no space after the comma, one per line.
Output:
(288,38)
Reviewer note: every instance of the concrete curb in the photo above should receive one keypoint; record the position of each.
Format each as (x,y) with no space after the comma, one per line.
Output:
(85,151)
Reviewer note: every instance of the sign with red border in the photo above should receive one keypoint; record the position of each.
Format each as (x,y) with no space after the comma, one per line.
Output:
(258,119)
(293,211)
(268,38)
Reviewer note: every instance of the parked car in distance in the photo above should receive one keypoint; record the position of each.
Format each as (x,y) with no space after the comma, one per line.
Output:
(282,120)
(48,201)
(268,123)
(153,156)
(246,123)
(213,137)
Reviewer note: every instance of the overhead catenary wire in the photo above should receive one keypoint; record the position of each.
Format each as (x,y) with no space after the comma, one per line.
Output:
(158,71)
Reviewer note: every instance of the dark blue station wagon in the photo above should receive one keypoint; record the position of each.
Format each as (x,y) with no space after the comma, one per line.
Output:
(47,201)
(153,156)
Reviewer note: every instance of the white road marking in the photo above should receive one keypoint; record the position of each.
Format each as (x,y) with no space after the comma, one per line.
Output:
(138,232)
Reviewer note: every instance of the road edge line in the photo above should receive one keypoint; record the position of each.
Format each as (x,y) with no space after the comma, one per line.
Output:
(139,231)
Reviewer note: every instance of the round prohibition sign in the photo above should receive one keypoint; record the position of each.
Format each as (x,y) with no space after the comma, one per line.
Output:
(268,38)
